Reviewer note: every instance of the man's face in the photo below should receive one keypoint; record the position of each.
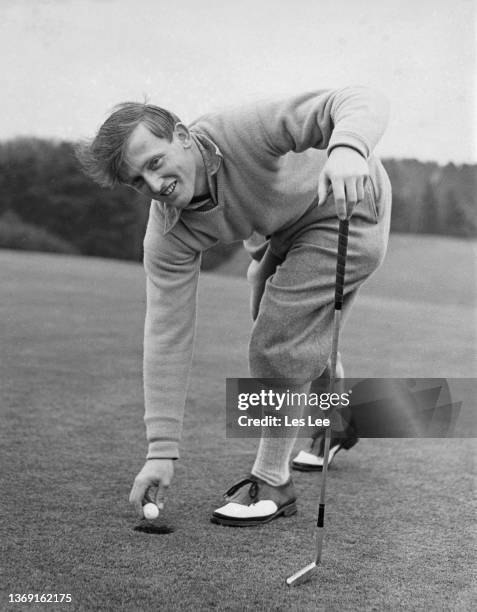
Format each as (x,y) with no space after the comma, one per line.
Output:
(160,169)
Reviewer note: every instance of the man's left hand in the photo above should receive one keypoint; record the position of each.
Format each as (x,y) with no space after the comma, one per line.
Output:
(345,172)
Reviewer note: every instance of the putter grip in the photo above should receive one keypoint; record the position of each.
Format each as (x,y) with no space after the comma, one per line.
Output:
(341,263)
(321,516)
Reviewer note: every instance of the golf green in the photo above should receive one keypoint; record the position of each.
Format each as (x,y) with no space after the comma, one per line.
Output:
(399,514)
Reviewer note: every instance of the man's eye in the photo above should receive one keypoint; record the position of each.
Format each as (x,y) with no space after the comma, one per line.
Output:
(155,163)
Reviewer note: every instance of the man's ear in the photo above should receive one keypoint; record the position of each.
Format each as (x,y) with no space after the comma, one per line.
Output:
(183,135)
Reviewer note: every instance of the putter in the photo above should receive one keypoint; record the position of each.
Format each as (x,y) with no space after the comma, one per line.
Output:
(305,573)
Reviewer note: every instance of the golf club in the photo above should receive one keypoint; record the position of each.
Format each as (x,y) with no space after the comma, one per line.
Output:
(305,573)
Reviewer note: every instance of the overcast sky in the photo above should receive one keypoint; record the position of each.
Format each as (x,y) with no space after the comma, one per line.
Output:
(65,63)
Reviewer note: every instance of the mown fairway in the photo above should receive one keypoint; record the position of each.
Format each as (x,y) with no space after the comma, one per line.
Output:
(399,515)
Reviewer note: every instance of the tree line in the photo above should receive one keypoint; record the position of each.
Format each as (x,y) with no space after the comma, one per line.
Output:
(47,204)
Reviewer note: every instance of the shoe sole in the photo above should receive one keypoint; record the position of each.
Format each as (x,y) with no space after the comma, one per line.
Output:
(288,510)
(307,467)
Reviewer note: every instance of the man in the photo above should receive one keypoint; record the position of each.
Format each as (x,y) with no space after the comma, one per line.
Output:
(287,169)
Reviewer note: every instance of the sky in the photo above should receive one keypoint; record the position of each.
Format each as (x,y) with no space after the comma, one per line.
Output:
(65,63)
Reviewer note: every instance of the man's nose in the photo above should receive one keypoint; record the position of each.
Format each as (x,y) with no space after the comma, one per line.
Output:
(154,183)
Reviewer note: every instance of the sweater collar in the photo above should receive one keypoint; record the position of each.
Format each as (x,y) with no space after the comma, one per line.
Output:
(212,158)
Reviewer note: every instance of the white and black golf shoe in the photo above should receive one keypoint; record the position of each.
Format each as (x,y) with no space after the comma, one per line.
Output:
(255,504)
(312,460)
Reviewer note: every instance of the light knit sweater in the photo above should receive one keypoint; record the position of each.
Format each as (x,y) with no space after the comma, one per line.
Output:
(272,154)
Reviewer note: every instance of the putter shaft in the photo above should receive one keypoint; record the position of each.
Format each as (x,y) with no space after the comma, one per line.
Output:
(303,574)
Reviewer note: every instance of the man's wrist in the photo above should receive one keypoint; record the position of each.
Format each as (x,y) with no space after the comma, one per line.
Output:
(345,146)
(162,449)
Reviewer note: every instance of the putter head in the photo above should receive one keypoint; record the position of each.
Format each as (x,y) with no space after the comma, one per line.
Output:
(302,575)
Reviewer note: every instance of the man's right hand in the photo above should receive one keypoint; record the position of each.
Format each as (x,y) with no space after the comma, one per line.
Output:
(153,480)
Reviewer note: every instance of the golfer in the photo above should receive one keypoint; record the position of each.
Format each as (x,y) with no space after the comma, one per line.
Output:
(286,169)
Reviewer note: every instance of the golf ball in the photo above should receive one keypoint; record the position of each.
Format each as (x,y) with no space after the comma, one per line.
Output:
(151,511)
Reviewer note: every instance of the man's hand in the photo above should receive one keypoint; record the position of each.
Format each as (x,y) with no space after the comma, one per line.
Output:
(345,172)
(151,483)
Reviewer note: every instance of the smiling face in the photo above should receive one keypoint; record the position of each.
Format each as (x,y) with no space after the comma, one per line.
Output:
(169,171)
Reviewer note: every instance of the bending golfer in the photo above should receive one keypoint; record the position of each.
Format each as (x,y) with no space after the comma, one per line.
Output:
(287,169)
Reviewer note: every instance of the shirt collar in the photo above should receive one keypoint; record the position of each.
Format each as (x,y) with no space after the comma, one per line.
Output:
(210,153)
(212,158)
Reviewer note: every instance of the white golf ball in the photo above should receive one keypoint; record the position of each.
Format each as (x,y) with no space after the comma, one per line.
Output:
(151,511)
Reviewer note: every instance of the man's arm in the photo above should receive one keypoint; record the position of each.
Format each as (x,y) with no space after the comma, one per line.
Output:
(172,273)
(354,117)
(168,342)
(347,122)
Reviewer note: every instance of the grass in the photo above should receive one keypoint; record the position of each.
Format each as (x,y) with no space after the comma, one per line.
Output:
(399,515)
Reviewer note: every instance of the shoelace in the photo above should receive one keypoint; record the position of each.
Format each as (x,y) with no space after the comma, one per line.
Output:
(253,491)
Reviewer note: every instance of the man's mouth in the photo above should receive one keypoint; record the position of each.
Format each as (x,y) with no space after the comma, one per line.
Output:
(170,189)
